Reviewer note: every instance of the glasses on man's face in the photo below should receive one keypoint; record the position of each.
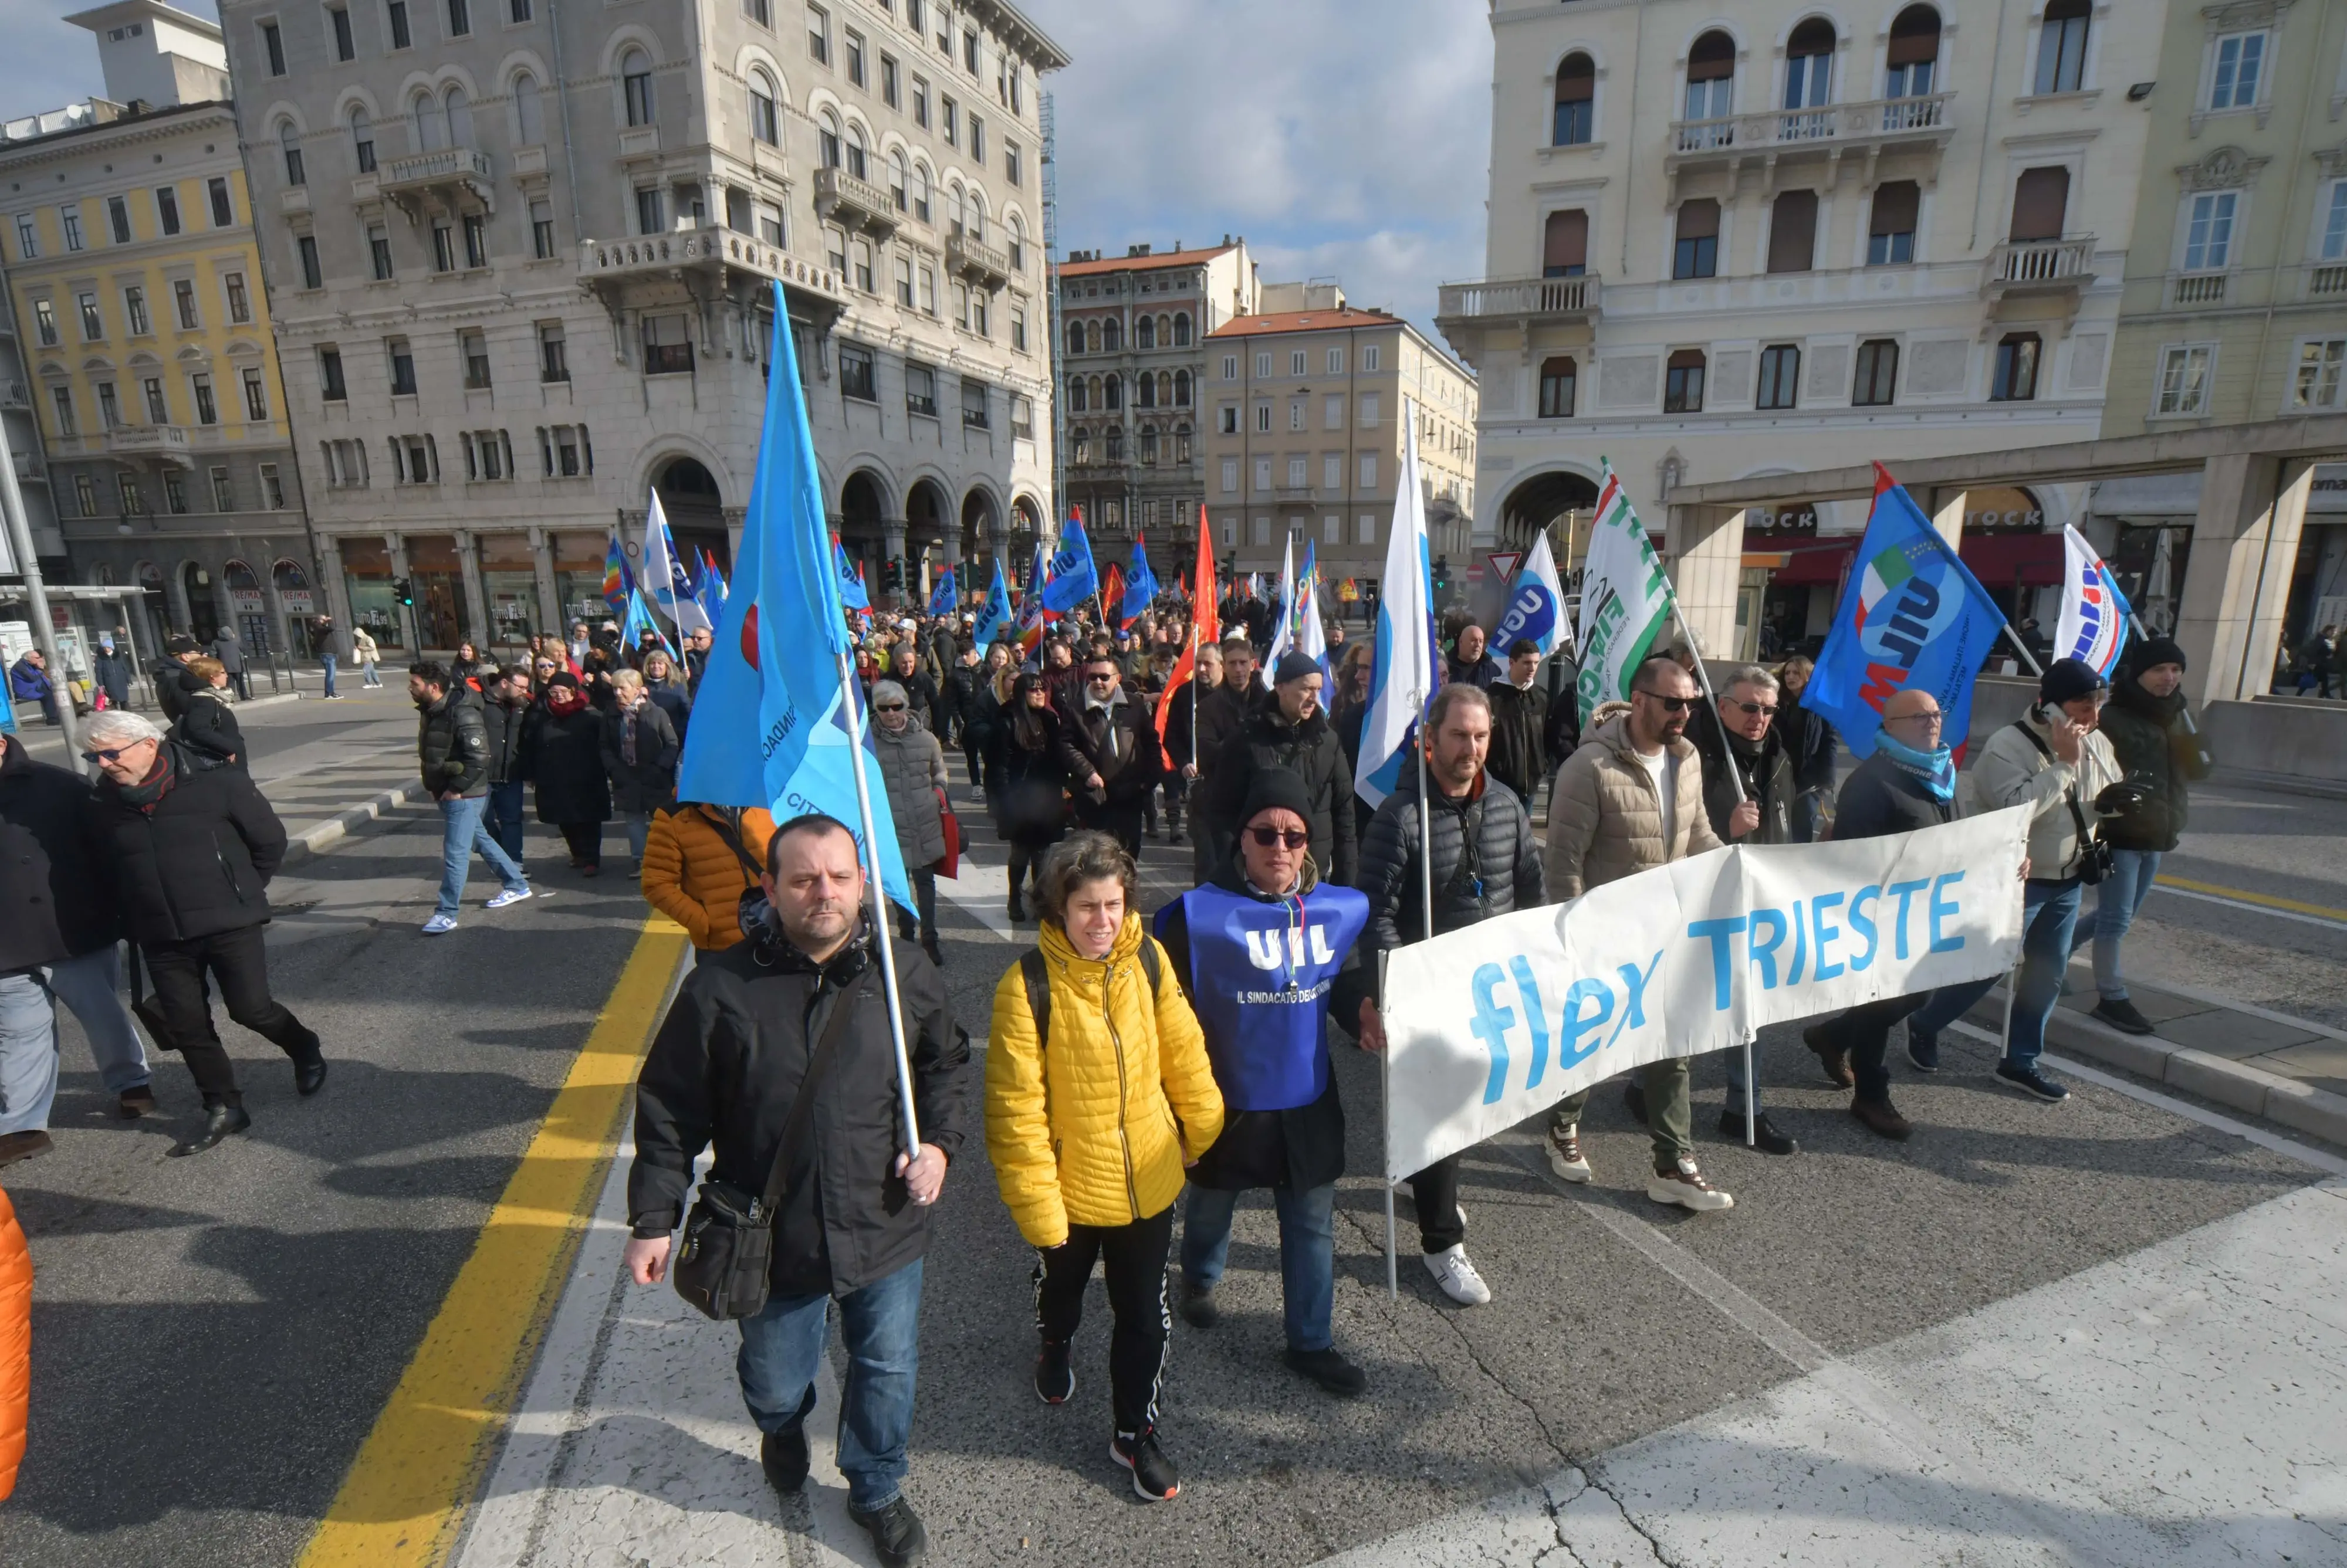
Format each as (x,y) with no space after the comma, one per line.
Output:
(1670,704)
(1102,679)
(888,707)
(1279,837)
(1931,721)
(114,754)
(1767,708)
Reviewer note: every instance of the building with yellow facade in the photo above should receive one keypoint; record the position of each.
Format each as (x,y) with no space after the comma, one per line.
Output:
(145,339)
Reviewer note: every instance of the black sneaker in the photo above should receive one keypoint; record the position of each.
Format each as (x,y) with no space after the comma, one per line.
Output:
(1055,1374)
(1923,1050)
(2121,1015)
(1154,1479)
(783,1457)
(1764,1136)
(2031,1081)
(1329,1370)
(895,1531)
(1198,1308)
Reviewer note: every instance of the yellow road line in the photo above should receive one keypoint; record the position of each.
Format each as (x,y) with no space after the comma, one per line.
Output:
(406,1492)
(2266,900)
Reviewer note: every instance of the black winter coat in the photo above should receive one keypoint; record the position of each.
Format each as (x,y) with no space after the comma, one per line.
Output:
(1311,751)
(60,902)
(1297,1149)
(1767,777)
(112,673)
(674,700)
(1814,744)
(172,686)
(649,782)
(1503,875)
(2161,757)
(1031,804)
(452,745)
(1485,672)
(1118,743)
(207,724)
(920,697)
(502,726)
(1880,798)
(198,861)
(727,1064)
(564,757)
(1518,754)
(958,697)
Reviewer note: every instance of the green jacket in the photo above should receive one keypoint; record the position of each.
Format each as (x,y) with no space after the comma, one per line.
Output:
(2160,755)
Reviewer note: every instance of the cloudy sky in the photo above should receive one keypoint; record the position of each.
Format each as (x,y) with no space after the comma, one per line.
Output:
(1344,139)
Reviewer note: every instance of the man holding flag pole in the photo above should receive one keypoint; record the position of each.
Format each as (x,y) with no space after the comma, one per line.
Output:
(782,1051)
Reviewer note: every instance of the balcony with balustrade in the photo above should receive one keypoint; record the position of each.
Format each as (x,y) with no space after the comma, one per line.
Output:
(1463,312)
(855,204)
(621,271)
(975,261)
(161,446)
(1865,129)
(443,176)
(2063,266)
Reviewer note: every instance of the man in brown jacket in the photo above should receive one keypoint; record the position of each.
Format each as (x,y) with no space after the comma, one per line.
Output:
(1631,798)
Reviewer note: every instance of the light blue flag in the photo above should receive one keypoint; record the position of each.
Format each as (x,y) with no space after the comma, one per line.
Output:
(945,598)
(996,621)
(778,650)
(1071,578)
(1140,584)
(1535,605)
(640,621)
(852,593)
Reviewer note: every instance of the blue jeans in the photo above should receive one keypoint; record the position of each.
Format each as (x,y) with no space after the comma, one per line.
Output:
(2118,898)
(782,1347)
(504,817)
(91,985)
(462,835)
(28,1053)
(327,663)
(2049,912)
(1308,1254)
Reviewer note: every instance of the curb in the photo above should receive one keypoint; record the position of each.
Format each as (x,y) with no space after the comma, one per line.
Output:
(2287,1101)
(334,830)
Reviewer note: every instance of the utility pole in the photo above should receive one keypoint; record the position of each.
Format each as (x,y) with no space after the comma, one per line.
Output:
(1047,120)
(45,630)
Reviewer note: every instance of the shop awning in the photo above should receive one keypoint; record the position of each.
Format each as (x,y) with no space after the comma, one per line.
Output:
(1813,561)
(2002,560)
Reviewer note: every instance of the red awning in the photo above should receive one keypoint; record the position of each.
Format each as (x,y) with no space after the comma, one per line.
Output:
(1814,561)
(2002,560)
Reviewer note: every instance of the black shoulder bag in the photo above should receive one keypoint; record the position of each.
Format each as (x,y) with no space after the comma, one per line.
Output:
(2095,858)
(724,1265)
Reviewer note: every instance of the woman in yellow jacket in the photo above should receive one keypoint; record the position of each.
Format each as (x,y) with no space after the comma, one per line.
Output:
(1090,1121)
(698,862)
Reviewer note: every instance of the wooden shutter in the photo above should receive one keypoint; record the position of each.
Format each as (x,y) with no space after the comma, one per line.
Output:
(1565,242)
(1699,218)
(2040,199)
(1914,37)
(1793,231)
(1576,79)
(1896,206)
(1713,58)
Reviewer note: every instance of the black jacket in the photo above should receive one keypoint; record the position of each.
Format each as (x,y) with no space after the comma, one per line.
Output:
(172,686)
(1311,751)
(1519,754)
(1030,798)
(198,861)
(501,725)
(112,673)
(564,757)
(2161,757)
(674,701)
(920,696)
(452,744)
(1813,743)
(1297,1149)
(727,1064)
(1119,742)
(649,782)
(1484,671)
(59,901)
(1767,772)
(207,724)
(1880,798)
(1221,713)
(958,697)
(1503,875)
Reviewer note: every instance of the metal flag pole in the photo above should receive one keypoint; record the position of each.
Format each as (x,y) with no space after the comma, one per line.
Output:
(1385,1138)
(847,694)
(1418,739)
(1703,679)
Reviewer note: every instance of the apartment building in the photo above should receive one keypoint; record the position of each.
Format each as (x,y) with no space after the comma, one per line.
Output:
(22,423)
(2235,301)
(134,278)
(1777,237)
(1134,355)
(523,262)
(1307,401)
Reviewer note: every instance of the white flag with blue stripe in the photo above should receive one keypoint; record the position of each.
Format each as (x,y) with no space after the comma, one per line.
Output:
(1402,677)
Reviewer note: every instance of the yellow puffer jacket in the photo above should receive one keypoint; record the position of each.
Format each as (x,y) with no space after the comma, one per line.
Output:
(1094,1129)
(692,875)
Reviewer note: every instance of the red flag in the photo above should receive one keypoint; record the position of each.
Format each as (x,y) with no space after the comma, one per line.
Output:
(1205,628)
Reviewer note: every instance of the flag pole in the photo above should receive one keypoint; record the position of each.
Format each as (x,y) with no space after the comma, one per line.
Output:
(1425,933)
(1385,1136)
(847,694)
(1736,777)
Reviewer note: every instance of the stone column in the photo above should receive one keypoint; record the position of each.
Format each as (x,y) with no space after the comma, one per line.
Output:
(892,548)
(1948,515)
(175,600)
(2237,585)
(222,603)
(1705,547)
(477,603)
(549,599)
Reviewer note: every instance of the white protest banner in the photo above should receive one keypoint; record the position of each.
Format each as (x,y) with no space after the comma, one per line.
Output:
(1492,1023)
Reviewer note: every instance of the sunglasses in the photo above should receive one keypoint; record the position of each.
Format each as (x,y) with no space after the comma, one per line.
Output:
(1767,708)
(1671,704)
(1102,679)
(114,755)
(1273,838)
(888,707)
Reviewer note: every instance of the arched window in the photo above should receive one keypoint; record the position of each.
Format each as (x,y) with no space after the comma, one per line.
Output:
(956,211)
(897,177)
(765,119)
(1144,333)
(1097,393)
(977,213)
(636,84)
(1181,387)
(856,165)
(1181,330)
(1075,337)
(289,142)
(1181,443)
(1112,335)
(922,191)
(1564,244)
(363,140)
(529,118)
(1144,393)
(1165,388)
(1149,443)
(1710,87)
(1112,393)
(1017,243)
(424,123)
(1113,443)
(826,136)
(1091,337)
(1082,439)
(1576,100)
(1809,64)
(1076,404)
(1559,380)
(459,110)
(1914,53)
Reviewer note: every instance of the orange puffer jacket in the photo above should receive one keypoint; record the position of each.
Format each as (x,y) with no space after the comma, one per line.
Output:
(691,875)
(16,1343)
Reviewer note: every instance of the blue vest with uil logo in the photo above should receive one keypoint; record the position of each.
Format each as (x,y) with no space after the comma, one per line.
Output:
(1260,975)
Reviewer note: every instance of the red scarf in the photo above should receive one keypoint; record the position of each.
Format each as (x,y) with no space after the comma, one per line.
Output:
(564,701)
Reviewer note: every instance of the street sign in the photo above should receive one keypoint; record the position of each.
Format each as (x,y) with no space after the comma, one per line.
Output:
(1504,564)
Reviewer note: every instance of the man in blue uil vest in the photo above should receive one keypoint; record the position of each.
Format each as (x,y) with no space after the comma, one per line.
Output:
(1260,952)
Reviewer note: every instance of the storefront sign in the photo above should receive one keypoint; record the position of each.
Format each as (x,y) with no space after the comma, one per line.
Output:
(297,600)
(2002,510)
(1799,518)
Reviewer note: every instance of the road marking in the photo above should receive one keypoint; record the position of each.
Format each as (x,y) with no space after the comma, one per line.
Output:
(2258,903)
(405,1499)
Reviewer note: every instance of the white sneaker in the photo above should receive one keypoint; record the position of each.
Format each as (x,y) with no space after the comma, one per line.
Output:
(1686,1187)
(1565,1155)
(510,895)
(439,923)
(1458,1277)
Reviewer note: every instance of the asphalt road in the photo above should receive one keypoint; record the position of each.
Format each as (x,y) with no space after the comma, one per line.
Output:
(214,1337)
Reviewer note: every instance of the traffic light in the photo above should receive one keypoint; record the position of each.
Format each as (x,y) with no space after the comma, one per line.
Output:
(1442,574)
(403,591)
(892,575)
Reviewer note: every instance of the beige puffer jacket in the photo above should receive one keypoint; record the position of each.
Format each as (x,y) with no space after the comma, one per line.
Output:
(1605,819)
(2012,772)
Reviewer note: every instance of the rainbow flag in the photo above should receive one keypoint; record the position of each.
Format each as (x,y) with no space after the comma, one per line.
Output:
(619,582)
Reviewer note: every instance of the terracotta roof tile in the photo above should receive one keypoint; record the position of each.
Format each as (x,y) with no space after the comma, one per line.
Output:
(1303,321)
(1143,263)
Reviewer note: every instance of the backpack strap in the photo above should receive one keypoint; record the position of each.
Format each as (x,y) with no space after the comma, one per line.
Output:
(725,830)
(1037,980)
(2070,796)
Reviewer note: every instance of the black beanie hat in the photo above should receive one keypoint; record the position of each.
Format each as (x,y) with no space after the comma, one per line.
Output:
(1294,666)
(1276,787)
(2066,680)
(2155,651)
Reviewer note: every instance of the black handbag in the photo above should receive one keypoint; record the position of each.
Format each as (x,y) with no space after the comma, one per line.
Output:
(2095,861)
(726,1260)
